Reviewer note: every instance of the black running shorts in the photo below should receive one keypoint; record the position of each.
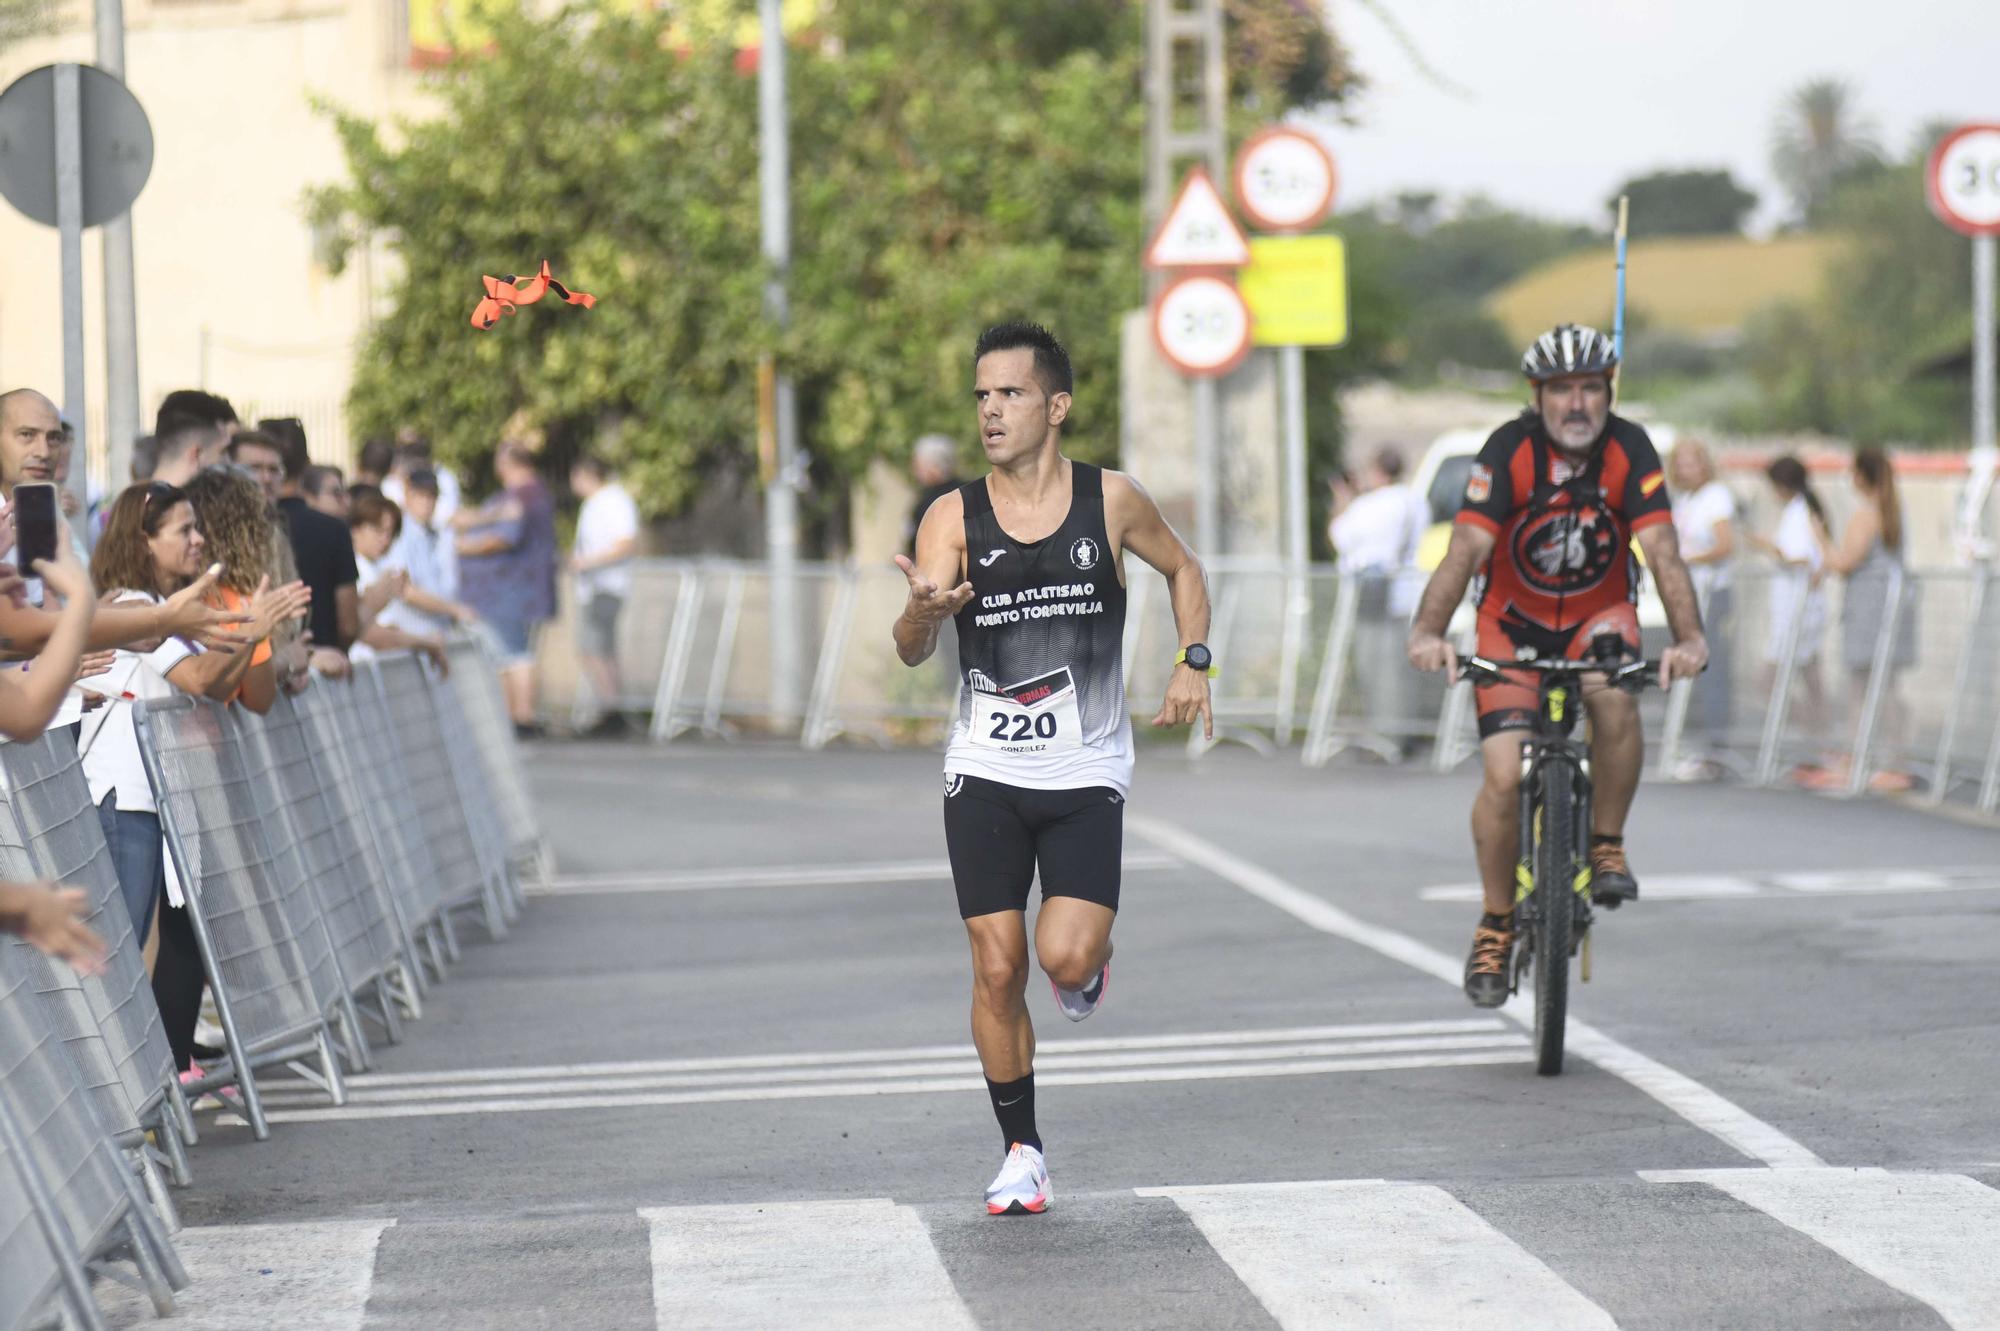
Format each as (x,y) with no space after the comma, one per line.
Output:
(998,834)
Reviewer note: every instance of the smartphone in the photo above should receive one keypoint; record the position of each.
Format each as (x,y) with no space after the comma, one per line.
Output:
(35,530)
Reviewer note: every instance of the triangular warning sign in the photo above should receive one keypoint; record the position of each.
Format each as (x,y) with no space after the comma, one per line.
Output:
(1198,231)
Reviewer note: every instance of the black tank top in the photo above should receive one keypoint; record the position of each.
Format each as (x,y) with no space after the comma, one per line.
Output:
(1042,607)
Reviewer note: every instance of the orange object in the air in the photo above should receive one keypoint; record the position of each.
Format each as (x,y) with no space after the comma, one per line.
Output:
(504,293)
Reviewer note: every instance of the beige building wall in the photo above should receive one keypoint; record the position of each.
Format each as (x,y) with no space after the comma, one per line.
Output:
(230,294)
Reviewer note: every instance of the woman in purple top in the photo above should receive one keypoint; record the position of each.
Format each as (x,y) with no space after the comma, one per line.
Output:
(507,572)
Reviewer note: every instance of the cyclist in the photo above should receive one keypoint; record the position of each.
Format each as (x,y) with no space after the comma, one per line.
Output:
(1551,508)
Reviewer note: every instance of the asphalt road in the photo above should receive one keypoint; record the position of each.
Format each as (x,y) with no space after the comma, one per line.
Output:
(720,1076)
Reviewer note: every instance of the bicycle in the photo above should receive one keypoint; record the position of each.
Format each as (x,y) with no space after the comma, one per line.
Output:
(1552,908)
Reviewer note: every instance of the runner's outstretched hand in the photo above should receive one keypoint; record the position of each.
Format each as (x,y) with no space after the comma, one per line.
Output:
(928,604)
(1187,699)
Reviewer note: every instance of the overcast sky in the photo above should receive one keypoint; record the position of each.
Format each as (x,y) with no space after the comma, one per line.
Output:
(1563,99)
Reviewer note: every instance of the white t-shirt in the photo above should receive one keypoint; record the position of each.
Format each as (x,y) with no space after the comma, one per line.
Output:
(109,741)
(1379,533)
(1695,519)
(608,517)
(1796,542)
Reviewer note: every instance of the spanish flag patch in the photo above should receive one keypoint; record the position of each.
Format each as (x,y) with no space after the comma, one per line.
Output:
(1650,484)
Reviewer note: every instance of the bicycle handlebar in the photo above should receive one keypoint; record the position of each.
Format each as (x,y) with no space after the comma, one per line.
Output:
(1626,674)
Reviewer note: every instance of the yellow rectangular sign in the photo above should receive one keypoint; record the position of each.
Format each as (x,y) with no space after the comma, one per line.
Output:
(1296,288)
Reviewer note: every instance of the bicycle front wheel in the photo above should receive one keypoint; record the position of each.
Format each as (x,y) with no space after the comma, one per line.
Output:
(1555,913)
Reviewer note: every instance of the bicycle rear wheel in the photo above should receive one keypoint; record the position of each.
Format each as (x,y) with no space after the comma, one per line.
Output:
(1555,913)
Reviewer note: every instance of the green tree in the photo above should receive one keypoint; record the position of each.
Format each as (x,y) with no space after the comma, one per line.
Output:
(1858,361)
(1821,139)
(932,195)
(1686,203)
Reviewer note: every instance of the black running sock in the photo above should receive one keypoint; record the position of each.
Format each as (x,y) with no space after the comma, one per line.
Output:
(1504,923)
(1014,1106)
(1599,839)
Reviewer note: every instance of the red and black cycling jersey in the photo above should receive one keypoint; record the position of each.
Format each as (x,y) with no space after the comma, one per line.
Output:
(1563,527)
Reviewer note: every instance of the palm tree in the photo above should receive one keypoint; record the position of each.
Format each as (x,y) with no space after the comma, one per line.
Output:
(1821,137)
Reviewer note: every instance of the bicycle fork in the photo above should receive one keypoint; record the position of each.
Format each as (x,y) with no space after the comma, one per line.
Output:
(1527,902)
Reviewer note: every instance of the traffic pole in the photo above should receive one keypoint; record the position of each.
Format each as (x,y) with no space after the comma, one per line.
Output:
(1982,342)
(781,520)
(69,229)
(121,317)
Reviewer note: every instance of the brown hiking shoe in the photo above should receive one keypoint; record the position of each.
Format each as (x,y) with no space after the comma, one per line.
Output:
(1611,880)
(1489,970)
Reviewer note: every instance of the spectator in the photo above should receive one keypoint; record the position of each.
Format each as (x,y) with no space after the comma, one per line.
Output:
(934,467)
(322,549)
(153,549)
(375,522)
(28,425)
(507,560)
(413,453)
(1375,528)
(1705,522)
(1798,600)
(326,490)
(431,599)
(1868,556)
(372,463)
(607,539)
(211,416)
(50,918)
(178,452)
(262,457)
(239,530)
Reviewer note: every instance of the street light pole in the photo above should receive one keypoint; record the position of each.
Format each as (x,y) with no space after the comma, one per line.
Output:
(121,319)
(778,408)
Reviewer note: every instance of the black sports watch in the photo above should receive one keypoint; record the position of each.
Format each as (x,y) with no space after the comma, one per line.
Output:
(1196,656)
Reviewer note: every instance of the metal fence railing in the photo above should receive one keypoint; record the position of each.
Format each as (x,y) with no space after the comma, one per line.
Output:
(1868,693)
(301,842)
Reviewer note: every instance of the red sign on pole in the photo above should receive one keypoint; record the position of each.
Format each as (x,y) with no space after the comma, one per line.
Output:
(1964,180)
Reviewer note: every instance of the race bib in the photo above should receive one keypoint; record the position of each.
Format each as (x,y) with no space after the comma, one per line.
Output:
(1036,716)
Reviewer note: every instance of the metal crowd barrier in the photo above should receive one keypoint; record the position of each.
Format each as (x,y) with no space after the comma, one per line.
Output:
(301,842)
(1317,658)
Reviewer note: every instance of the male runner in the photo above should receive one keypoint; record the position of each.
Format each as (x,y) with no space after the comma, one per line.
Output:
(1551,508)
(1031,562)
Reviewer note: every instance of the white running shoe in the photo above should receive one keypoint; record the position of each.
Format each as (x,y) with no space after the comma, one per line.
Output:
(1022,1185)
(1076,1004)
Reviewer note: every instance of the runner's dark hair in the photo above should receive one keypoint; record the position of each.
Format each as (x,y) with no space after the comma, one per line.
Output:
(1051,361)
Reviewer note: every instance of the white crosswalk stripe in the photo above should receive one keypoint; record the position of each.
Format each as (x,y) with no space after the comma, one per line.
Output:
(304,1277)
(1933,1236)
(1313,1254)
(1366,1252)
(788,1264)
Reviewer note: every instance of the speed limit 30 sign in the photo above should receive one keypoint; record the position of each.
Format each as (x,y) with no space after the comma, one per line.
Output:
(1201,325)
(1964,180)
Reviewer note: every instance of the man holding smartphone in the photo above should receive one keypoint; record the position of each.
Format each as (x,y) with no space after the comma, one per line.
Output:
(29,430)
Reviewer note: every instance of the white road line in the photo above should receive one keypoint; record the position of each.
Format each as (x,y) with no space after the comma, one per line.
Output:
(1706,1109)
(1780,886)
(789,1264)
(1931,1236)
(1045,1062)
(303,1277)
(1306,1067)
(786,875)
(1365,1252)
(1105,1044)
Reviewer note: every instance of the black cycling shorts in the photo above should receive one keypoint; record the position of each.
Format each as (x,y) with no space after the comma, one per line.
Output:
(998,834)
